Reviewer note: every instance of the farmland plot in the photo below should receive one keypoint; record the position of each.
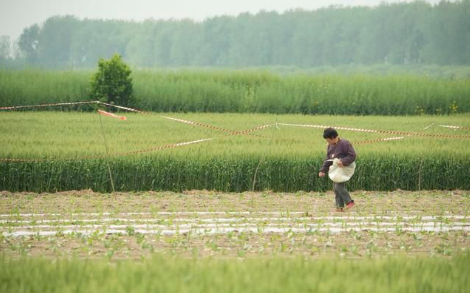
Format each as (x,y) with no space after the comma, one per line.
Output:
(50,151)
(201,224)
(198,241)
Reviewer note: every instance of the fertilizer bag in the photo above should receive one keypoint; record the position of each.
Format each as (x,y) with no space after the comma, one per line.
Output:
(341,174)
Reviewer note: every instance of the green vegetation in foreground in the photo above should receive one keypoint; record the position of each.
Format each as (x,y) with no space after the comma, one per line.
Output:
(164,274)
(287,159)
(254,91)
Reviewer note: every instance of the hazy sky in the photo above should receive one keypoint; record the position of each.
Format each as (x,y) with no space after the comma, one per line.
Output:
(15,15)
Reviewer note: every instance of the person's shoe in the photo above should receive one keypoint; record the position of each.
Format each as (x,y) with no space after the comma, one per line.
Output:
(350,205)
(339,210)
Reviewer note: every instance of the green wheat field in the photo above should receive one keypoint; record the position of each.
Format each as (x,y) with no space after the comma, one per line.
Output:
(90,203)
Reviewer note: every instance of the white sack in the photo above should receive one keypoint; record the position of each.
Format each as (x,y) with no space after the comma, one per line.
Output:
(341,174)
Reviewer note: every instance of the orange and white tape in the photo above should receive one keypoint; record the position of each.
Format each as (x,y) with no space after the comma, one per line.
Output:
(231,132)
(169,146)
(131,110)
(378,131)
(180,120)
(379,140)
(325,126)
(454,127)
(49,105)
(101,112)
(104,113)
(123,108)
(197,124)
(252,129)
(25,160)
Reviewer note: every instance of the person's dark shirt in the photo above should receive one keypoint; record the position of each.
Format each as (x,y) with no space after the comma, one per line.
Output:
(342,150)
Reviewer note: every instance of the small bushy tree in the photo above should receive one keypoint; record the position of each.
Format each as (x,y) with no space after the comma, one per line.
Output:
(112,83)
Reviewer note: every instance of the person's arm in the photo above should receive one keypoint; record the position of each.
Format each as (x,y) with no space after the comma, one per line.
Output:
(350,154)
(326,164)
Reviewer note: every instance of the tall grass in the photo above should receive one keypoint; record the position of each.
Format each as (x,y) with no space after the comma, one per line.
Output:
(31,87)
(234,174)
(252,92)
(287,159)
(72,135)
(164,274)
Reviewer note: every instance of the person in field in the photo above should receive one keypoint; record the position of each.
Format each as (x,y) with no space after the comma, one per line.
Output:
(343,150)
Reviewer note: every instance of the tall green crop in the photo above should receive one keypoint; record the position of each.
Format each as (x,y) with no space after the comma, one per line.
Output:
(71,152)
(397,274)
(245,92)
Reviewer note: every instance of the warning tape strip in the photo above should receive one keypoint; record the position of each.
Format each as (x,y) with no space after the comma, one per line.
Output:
(124,108)
(174,145)
(231,132)
(388,138)
(49,105)
(245,132)
(138,151)
(26,160)
(181,120)
(379,140)
(135,152)
(252,129)
(454,127)
(169,146)
(101,112)
(135,111)
(429,126)
(378,131)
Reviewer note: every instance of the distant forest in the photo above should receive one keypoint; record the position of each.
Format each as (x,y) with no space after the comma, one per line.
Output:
(397,34)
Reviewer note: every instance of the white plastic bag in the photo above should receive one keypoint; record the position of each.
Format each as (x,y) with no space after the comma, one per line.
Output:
(341,174)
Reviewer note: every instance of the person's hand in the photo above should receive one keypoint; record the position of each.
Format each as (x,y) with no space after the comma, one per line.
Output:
(321,174)
(340,163)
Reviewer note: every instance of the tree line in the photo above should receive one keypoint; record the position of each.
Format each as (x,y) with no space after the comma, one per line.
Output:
(398,33)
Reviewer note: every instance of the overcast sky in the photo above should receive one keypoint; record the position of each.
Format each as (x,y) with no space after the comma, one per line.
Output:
(15,15)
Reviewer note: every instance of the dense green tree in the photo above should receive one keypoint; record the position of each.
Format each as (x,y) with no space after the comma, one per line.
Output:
(398,33)
(28,43)
(60,32)
(5,48)
(112,82)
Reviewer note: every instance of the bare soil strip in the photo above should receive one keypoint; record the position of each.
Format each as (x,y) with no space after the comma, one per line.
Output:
(203,223)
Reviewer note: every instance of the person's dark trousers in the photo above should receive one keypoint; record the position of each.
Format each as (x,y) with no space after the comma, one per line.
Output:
(342,195)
